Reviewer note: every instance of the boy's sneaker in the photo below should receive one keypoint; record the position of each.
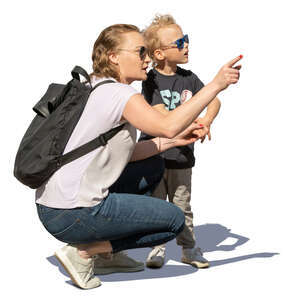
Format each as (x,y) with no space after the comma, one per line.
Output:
(79,269)
(156,257)
(194,257)
(116,263)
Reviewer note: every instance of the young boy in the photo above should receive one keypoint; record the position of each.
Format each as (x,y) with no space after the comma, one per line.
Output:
(167,87)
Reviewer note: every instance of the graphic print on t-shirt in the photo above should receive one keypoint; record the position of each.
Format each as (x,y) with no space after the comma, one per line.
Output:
(172,98)
(185,96)
(172,91)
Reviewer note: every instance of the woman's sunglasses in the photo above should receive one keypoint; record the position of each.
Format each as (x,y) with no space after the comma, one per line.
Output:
(142,51)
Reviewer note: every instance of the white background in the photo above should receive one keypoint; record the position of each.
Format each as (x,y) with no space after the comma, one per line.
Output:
(246,179)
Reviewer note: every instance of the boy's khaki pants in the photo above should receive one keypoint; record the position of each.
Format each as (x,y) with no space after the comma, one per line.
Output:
(176,184)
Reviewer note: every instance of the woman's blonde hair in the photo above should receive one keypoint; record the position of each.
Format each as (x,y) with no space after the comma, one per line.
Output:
(150,33)
(109,40)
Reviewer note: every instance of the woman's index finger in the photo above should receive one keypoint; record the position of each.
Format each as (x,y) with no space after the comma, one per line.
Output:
(233,61)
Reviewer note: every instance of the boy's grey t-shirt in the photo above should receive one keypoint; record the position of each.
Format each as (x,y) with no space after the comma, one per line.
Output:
(172,91)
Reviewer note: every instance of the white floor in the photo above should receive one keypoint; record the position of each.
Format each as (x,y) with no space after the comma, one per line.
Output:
(246,180)
(251,240)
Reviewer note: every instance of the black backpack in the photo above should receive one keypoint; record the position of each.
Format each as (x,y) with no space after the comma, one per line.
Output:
(40,152)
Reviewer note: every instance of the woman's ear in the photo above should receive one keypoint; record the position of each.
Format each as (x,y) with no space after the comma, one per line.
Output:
(113,58)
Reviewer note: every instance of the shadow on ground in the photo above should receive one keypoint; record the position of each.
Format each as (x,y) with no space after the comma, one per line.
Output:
(210,238)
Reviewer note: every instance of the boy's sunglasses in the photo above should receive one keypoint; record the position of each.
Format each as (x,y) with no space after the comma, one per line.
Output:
(180,42)
(142,51)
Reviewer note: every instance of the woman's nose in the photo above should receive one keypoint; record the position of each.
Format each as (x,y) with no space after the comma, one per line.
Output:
(147,58)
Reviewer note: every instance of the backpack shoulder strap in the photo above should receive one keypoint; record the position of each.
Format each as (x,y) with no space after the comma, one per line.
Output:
(77,71)
(102,82)
(101,140)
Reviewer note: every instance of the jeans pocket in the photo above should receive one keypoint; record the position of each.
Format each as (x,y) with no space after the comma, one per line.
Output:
(51,217)
(64,224)
(74,232)
(70,233)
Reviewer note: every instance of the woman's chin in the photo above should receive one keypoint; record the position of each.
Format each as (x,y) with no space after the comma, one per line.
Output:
(143,76)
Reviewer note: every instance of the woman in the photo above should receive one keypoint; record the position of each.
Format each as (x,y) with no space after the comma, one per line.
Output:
(97,203)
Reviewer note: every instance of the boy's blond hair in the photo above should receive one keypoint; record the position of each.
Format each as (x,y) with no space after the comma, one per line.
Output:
(150,33)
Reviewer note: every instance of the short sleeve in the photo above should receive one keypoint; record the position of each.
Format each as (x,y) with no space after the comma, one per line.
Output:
(107,103)
(198,84)
(123,93)
(151,92)
(146,92)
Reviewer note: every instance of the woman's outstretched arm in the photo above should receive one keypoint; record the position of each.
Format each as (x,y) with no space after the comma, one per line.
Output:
(142,116)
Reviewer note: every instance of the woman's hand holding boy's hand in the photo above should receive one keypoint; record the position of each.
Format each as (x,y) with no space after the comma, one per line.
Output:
(191,134)
(228,74)
(206,123)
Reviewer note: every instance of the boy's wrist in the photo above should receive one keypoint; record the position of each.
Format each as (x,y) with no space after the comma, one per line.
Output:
(208,120)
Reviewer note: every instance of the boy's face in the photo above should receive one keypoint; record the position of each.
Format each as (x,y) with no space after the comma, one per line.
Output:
(169,51)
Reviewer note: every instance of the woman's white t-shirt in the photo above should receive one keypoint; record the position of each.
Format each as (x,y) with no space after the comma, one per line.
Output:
(85,181)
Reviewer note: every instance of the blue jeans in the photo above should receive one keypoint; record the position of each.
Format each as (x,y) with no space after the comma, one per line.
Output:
(127,217)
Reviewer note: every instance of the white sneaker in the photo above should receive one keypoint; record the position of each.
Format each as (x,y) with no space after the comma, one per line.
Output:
(156,257)
(194,257)
(116,263)
(79,269)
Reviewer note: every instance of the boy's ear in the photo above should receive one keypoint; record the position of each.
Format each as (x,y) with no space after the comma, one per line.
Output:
(113,58)
(159,54)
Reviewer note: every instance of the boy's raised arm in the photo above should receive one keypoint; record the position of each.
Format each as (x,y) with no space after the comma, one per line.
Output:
(212,111)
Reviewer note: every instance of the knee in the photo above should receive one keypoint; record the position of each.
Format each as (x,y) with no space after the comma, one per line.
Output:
(160,165)
(154,168)
(156,165)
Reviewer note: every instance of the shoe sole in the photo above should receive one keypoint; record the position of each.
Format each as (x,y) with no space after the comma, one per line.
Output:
(196,264)
(65,262)
(105,271)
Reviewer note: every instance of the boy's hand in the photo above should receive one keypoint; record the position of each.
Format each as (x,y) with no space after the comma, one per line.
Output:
(228,74)
(190,135)
(206,124)
(201,133)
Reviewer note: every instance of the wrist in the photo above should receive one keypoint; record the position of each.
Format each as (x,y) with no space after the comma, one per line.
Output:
(166,143)
(215,86)
(207,120)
